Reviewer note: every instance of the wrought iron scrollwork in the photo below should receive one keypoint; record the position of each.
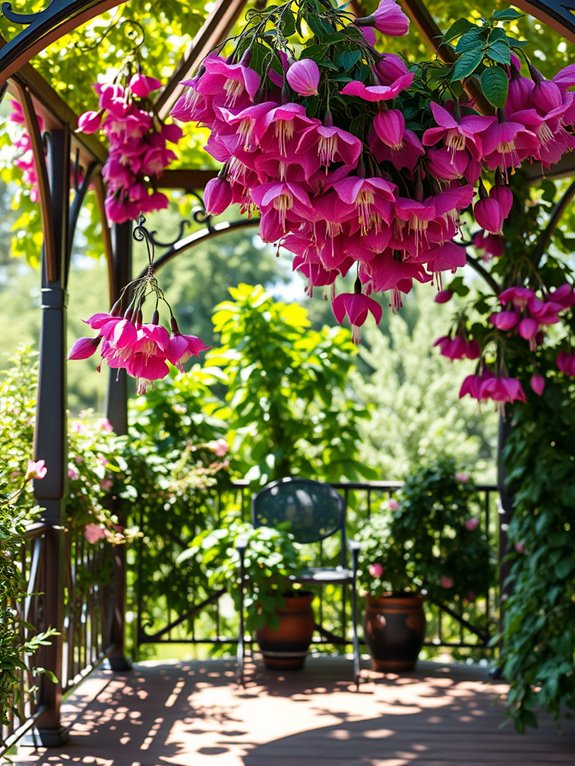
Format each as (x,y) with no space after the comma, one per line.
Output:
(199,213)
(181,229)
(28,18)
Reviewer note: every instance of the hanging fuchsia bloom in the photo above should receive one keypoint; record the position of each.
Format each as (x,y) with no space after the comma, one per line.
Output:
(537,384)
(217,196)
(443,296)
(376,93)
(458,347)
(356,307)
(518,296)
(566,363)
(142,85)
(303,77)
(388,19)
(457,135)
(504,320)
(84,348)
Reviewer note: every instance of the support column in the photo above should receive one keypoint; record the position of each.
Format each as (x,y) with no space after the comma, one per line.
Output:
(50,435)
(117,414)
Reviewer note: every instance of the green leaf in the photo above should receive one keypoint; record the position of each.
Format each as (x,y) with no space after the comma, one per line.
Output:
(470,41)
(495,85)
(319,26)
(507,14)
(466,64)
(346,60)
(500,52)
(517,43)
(458,28)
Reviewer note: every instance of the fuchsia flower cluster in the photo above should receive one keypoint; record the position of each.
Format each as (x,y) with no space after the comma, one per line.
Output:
(358,188)
(523,315)
(23,145)
(142,349)
(138,141)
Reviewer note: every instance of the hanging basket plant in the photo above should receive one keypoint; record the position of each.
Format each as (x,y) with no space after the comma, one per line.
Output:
(361,163)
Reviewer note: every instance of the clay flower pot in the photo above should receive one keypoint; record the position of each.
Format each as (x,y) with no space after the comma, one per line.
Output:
(394,631)
(285,647)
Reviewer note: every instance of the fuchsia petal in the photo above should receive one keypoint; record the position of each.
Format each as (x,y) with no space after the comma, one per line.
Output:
(303,77)
(84,348)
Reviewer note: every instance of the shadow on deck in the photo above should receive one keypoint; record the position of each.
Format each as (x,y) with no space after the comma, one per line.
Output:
(192,714)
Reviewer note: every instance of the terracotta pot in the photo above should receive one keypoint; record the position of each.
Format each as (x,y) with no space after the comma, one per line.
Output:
(394,631)
(286,647)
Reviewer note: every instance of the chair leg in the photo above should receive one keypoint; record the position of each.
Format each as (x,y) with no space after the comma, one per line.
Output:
(240,657)
(356,658)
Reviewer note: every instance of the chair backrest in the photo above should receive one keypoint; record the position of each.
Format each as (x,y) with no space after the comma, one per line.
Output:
(314,510)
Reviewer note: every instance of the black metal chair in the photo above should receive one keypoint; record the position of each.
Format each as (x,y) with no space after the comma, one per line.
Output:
(314,512)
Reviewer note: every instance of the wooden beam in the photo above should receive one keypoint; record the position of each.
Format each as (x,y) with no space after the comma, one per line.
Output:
(558,15)
(214,30)
(186,179)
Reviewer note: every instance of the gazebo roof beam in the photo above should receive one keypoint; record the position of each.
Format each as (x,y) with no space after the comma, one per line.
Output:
(43,28)
(213,31)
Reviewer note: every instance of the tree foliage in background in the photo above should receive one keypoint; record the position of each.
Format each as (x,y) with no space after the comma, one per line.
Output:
(416,414)
(290,406)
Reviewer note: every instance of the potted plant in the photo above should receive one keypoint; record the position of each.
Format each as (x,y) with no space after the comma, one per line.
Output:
(276,612)
(426,543)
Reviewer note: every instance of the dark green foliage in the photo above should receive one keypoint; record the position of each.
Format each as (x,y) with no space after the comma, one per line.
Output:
(539,629)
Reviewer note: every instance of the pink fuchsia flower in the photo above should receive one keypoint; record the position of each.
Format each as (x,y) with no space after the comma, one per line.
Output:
(375,93)
(502,390)
(356,307)
(458,347)
(217,196)
(84,348)
(391,142)
(393,504)
(93,533)
(457,135)
(462,477)
(390,68)
(489,215)
(564,295)
(537,384)
(504,320)
(36,469)
(566,363)
(443,296)
(182,347)
(375,570)
(330,144)
(369,34)
(518,296)
(506,144)
(365,200)
(446,582)
(471,524)
(388,19)
(142,85)
(303,77)
(89,122)
(234,81)
(492,244)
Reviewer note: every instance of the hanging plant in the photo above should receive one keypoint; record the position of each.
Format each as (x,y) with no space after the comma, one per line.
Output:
(138,138)
(358,162)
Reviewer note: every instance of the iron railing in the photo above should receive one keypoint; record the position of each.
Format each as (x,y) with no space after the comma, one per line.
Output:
(178,607)
(88,605)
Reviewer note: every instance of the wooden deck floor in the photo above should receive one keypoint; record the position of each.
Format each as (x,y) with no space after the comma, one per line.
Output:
(192,714)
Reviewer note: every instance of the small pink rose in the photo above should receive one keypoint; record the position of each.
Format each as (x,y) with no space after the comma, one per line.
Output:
(472,524)
(462,477)
(106,483)
(375,570)
(73,474)
(393,505)
(446,582)
(105,424)
(520,547)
